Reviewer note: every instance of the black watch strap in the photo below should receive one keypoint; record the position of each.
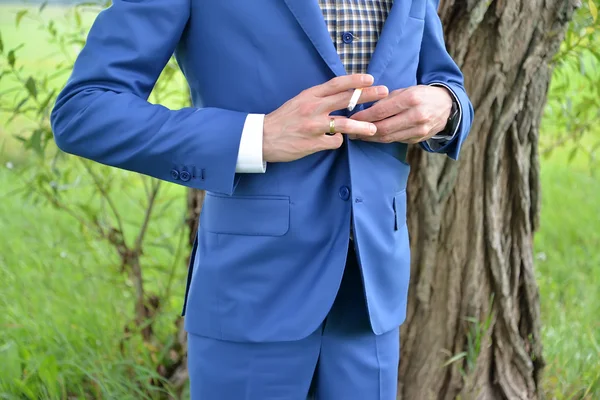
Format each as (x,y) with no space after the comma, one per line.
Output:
(453,120)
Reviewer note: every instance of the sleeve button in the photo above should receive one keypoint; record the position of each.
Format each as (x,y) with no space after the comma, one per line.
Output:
(185,176)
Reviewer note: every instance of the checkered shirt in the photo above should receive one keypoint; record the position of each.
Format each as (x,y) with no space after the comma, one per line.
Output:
(355,26)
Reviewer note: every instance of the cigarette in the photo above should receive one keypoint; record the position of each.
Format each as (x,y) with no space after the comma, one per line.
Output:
(354,99)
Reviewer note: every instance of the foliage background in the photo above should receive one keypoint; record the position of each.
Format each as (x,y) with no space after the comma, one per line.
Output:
(69,229)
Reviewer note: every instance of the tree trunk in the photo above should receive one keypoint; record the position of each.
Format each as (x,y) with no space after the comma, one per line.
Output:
(195,199)
(473,325)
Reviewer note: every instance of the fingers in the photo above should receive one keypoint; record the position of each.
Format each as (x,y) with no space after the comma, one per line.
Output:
(331,142)
(382,110)
(352,127)
(410,135)
(341,100)
(416,121)
(404,120)
(341,125)
(395,103)
(342,84)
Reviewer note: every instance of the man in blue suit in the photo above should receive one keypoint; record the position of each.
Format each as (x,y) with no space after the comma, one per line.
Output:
(300,270)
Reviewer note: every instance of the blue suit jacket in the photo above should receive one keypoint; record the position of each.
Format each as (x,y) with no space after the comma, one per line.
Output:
(271,247)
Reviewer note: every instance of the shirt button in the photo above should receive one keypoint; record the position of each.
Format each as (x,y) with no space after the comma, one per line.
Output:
(185,176)
(344,193)
(174,174)
(347,37)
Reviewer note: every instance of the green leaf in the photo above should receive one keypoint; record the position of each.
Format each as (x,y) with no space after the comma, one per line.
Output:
(455,358)
(593,9)
(51,28)
(43,6)
(89,211)
(1,44)
(46,101)
(35,141)
(25,390)
(31,87)
(19,105)
(20,16)
(78,41)
(48,373)
(77,17)
(595,53)
(11,58)
(572,154)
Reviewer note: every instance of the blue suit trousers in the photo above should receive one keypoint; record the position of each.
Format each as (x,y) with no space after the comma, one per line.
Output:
(343,359)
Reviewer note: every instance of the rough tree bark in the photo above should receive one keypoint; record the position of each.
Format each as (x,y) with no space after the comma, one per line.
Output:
(473,294)
(472,222)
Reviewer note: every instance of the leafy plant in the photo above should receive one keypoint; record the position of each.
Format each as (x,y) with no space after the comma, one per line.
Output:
(51,177)
(572,115)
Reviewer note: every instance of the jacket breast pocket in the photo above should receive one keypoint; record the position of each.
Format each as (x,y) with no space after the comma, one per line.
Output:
(417,9)
(246,215)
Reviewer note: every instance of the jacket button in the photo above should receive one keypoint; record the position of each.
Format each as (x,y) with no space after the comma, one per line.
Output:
(344,193)
(185,176)
(174,174)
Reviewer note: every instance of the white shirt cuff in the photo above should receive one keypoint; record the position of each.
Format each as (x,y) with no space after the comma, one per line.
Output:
(438,141)
(250,155)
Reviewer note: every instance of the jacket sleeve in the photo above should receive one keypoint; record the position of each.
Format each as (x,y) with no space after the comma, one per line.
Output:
(437,67)
(103,113)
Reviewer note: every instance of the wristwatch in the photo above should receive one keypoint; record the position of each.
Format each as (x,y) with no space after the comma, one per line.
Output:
(453,121)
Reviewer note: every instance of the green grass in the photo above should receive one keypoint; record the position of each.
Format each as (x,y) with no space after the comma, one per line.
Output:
(568,270)
(65,304)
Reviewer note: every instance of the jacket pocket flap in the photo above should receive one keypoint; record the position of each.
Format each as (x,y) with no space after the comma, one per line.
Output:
(246,215)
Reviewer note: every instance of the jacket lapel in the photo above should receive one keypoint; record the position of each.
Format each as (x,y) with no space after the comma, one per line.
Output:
(389,39)
(310,17)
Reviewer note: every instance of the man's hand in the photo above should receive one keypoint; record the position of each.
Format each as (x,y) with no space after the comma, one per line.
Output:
(408,115)
(298,128)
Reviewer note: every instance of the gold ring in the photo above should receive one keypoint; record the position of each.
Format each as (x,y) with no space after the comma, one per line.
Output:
(332,126)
